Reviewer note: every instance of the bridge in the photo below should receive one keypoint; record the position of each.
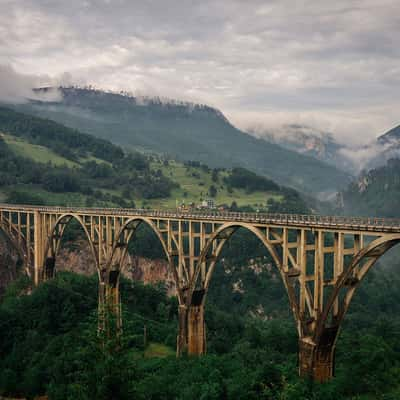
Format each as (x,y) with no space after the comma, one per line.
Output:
(321,261)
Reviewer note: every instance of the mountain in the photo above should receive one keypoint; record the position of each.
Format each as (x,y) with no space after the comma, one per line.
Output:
(44,162)
(374,193)
(377,152)
(187,132)
(323,146)
(386,146)
(308,141)
(391,137)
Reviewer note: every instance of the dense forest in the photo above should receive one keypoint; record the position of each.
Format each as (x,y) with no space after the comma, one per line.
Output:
(50,346)
(50,342)
(97,164)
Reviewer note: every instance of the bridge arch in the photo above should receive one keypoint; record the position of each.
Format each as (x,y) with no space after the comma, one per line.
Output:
(53,242)
(355,273)
(226,231)
(19,243)
(317,352)
(124,237)
(195,299)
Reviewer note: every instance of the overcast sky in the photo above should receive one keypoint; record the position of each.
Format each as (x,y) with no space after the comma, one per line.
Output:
(332,65)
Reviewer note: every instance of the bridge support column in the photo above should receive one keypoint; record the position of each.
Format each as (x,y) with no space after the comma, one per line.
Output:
(38,248)
(192,331)
(110,321)
(196,330)
(182,339)
(317,361)
(49,268)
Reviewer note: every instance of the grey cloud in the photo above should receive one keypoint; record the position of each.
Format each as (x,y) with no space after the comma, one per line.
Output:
(329,64)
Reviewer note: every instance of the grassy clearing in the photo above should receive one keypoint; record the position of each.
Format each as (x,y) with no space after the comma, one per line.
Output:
(35,152)
(195,183)
(3,196)
(158,350)
(43,154)
(51,198)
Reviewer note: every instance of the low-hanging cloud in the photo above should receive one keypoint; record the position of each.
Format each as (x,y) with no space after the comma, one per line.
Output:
(18,88)
(362,156)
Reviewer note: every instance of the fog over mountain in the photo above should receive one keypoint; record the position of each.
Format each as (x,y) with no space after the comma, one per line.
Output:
(18,88)
(187,131)
(326,147)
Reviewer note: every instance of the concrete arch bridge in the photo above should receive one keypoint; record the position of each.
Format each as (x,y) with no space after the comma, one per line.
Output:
(321,261)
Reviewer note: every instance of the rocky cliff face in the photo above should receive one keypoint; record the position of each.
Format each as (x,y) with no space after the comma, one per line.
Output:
(78,258)
(150,272)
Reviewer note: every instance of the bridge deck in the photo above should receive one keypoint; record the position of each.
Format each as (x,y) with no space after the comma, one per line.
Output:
(364,224)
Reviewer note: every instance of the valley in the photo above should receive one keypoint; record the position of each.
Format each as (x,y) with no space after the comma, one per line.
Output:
(247,312)
(199,200)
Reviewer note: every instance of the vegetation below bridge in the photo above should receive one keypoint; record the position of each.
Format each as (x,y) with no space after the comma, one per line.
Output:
(50,346)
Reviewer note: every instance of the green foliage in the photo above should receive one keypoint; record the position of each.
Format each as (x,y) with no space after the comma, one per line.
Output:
(109,168)
(62,140)
(50,344)
(251,182)
(83,176)
(293,203)
(17,197)
(212,191)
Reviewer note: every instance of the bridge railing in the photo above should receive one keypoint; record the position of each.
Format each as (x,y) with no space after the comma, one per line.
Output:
(281,218)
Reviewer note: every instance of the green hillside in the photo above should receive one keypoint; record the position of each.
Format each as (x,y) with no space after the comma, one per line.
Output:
(195,183)
(185,132)
(47,163)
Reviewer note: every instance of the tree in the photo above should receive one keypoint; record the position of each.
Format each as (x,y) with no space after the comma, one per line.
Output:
(214,175)
(212,191)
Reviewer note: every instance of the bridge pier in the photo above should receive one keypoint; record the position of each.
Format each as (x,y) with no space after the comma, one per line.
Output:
(182,339)
(196,330)
(317,360)
(109,308)
(192,332)
(49,269)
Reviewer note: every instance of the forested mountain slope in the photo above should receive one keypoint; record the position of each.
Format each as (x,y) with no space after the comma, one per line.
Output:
(375,193)
(187,132)
(43,162)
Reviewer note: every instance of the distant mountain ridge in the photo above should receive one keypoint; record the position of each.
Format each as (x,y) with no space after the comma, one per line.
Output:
(375,192)
(185,131)
(390,136)
(323,146)
(308,141)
